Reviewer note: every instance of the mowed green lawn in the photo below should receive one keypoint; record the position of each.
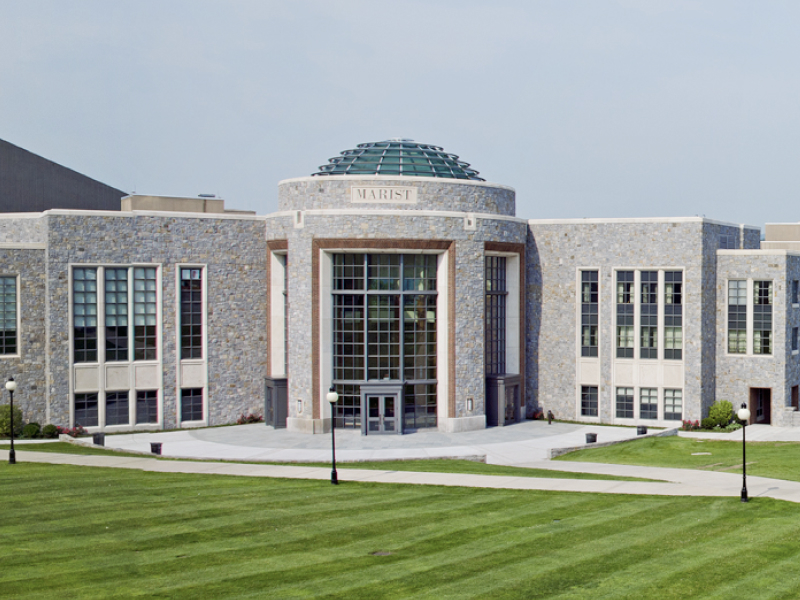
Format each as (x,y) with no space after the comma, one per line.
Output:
(81,532)
(779,460)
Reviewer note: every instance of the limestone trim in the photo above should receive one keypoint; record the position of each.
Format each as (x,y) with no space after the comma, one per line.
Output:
(601,221)
(273,247)
(22,246)
(318,246)
(438,214)
(321,179)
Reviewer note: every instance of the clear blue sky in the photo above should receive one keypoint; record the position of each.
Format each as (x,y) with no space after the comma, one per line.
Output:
(588,109)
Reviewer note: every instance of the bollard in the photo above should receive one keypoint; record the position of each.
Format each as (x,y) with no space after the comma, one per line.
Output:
(99,439)
(155,447)
(550,417)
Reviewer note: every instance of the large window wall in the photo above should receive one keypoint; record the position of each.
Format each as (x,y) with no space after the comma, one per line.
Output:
(385,329)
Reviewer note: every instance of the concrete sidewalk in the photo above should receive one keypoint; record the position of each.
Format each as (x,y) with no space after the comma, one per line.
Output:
(674,482)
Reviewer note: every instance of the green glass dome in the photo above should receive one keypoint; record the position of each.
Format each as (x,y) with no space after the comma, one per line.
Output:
(399,157)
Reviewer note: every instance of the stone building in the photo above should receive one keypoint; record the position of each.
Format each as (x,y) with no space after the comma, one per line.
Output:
(398,276)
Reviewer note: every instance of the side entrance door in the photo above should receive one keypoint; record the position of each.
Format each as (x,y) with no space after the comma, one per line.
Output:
(381,408)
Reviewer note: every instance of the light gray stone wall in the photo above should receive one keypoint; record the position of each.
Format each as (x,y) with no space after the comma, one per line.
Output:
(16,228)
(736,374)
(557,250)
(234,251)
(332,192)
(28,368)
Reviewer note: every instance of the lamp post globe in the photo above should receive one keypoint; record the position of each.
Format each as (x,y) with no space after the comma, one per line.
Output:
(11,385)
(332,397)
(744,416)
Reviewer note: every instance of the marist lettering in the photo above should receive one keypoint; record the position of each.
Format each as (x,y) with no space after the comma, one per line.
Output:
(384,194)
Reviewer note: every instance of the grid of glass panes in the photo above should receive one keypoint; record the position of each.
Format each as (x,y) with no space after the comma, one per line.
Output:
(648,403)
(383,337)
(191,313)
(84,314)
(649,315)
(86,410)
(762,317)
(624,403)
(625,299)
(191,404)
(673,315)
(673,405)
(348,408)
(728,241)
(8,315)
(348,335)
(795,291)
(117,408)
(419,406)
(145,329)
(146,406)
(116,307)
(794,339)
(372,340)
(589,318)
(588,400)
(737,317)
(496,295)
(419,337)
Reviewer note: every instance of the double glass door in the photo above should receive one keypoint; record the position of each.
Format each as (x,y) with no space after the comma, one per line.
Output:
(381,409)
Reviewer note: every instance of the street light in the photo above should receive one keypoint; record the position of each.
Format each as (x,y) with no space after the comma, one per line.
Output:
(333,398)
(744,416)
(11,385)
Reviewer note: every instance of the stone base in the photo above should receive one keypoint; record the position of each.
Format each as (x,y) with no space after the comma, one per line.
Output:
(308,425)
(461,424)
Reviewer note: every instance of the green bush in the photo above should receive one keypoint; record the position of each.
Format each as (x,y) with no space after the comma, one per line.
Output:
(5,421)
(721,413)
(31,430)
(708,423)
(50,431)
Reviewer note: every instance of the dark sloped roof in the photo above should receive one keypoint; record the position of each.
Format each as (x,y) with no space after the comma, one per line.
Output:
(30,183)
(399,156)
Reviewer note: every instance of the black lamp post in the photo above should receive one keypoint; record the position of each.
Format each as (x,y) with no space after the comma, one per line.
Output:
(744,416)
(11,385)
(333,398)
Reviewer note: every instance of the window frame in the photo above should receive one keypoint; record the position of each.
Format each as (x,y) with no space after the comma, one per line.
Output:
(18,315)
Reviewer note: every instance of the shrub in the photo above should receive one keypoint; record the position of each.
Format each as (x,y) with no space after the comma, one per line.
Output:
(721,413)
(50,431)
(31,430)
(708,423)
(249,418)
(5,421)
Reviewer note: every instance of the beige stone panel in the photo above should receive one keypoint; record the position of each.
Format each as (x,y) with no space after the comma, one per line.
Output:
(192,375)
(590,372)
(623,374)
(648,375)
(118,377)
(673,376)
(87,378)
(146,377)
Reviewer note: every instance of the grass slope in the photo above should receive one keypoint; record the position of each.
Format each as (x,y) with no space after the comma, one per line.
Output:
(779,460)
(102,533)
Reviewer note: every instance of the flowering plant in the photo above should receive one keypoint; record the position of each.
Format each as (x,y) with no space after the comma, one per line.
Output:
(249,418)
(689,425)
(76,431)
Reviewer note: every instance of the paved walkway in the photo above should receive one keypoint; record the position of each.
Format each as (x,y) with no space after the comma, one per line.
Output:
(525,445)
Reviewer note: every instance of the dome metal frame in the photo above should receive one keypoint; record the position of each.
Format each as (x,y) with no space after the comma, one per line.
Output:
(399,157)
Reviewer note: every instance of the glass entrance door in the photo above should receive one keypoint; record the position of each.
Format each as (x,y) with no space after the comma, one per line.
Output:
(381,406)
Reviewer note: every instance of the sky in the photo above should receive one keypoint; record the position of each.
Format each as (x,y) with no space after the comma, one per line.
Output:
(594,108)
